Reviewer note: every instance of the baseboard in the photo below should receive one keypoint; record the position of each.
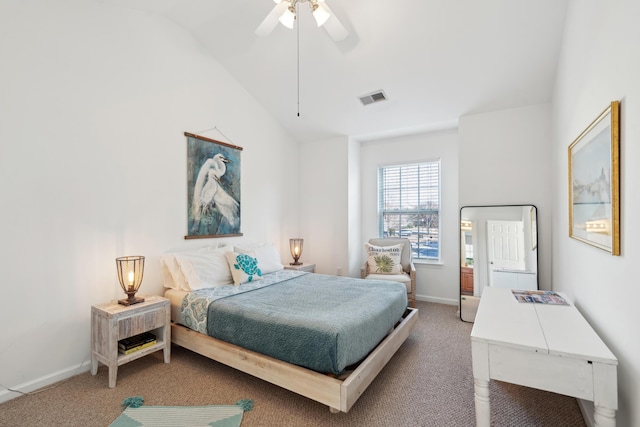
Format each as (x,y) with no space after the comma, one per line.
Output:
(586,407)
(47,380)
(437,300)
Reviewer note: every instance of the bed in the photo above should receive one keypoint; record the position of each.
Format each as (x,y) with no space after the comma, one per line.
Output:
(301,331)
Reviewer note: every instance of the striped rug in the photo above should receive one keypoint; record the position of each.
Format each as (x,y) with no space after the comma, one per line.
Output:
(180,416)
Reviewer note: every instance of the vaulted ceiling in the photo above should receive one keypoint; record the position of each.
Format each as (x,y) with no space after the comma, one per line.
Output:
(436,60)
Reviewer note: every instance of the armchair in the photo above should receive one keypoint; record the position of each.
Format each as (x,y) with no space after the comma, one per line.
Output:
(407,277)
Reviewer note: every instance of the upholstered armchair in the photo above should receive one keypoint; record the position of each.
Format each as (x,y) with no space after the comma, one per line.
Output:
(408,274)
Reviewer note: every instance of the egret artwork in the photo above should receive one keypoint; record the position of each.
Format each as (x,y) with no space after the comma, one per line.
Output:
(213,184)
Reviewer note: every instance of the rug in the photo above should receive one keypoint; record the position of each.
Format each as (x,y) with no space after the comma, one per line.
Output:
(181,416)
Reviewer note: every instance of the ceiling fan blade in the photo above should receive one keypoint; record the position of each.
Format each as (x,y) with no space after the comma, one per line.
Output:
(269,23)
(333,26)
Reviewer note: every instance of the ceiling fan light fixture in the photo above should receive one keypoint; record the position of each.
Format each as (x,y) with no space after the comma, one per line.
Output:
(320,14)
(288,18)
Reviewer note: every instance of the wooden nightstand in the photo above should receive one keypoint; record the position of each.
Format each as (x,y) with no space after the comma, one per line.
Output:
(311,268)
(111,322)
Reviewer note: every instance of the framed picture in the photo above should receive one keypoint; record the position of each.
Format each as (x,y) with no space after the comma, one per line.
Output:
(594,182)
(213,188)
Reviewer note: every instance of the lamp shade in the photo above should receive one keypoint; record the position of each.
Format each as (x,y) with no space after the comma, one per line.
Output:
(296,250)
(321,15)
(288,18)
(130,272)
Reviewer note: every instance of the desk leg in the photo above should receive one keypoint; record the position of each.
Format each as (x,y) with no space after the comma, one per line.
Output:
(483,413)
(605,389)
(604,417)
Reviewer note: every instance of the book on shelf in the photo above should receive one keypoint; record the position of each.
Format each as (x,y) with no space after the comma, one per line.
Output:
(539,297)
(136,341)
(138,348)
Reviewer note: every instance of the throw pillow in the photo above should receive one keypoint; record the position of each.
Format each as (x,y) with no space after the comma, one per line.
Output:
(244,267)
(384,259)
(266,254)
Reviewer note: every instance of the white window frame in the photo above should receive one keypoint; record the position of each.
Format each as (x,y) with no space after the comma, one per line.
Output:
(424,238)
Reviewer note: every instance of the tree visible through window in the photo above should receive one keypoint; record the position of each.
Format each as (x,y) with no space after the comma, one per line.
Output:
(409,206)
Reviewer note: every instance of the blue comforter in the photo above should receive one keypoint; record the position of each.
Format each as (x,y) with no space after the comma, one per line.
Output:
(324,323)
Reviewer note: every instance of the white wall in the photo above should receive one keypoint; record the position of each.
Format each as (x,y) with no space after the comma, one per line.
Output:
(504,160)
(324,204)
(434,282)
(355,209)
(599,63)
(95,100)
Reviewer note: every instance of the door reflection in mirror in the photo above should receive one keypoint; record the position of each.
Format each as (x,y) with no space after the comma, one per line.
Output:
(498,247)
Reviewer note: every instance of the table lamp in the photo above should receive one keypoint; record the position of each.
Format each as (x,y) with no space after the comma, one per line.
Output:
(296,250)
(130,270)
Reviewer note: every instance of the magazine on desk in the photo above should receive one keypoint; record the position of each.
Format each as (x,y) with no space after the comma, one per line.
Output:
(540,297)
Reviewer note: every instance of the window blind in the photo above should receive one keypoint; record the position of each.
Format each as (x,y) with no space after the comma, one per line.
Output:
(409,206)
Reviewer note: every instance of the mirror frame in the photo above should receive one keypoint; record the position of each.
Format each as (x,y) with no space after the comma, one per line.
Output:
(461,249)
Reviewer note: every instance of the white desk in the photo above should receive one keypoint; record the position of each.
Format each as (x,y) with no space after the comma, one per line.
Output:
(548,347)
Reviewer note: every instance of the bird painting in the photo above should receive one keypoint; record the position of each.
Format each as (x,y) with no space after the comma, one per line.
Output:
(213,208)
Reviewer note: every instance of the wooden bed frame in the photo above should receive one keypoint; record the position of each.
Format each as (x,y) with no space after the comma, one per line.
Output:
(338,393)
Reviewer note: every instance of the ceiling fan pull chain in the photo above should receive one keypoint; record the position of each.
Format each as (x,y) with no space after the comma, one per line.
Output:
(298,46)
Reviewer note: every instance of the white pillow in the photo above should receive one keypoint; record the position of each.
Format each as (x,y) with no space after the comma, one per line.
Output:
(384,259)
(205,269)
(267,256)
(171,274)
(244,267)
(167,279)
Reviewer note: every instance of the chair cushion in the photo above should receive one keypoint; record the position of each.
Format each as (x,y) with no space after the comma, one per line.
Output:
(402,278)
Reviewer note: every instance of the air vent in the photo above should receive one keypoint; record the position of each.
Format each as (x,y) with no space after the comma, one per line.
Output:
(373,97)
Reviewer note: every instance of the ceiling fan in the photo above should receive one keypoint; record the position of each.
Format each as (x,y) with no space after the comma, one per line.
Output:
(285,11)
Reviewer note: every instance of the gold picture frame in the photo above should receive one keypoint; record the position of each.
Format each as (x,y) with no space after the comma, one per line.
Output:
(594,182)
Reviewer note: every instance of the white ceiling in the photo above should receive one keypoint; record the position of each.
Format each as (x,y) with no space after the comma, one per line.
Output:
(436,60)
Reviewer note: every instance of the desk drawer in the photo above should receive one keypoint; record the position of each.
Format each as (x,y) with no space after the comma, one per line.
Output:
(557,374)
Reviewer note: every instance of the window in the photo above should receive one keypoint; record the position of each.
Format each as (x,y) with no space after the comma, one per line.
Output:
(409,206)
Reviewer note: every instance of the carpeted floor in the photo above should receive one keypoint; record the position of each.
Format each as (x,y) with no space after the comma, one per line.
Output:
(427,383)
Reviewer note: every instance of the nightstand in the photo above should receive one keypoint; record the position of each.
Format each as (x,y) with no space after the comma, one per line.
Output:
(111,322)
(311,268)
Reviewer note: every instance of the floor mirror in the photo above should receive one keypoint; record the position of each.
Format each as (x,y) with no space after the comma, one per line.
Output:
(499,248)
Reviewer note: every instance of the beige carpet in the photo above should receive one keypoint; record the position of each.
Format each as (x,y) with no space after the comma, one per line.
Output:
(427,383)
